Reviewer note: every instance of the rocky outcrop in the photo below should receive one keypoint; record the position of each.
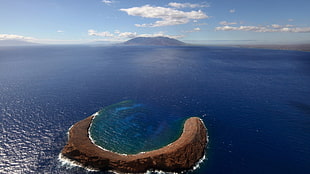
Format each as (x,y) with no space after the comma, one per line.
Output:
(178,156)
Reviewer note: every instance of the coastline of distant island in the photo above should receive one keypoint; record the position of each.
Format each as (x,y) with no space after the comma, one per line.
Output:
(16,42)
(166,41)
(154,41)
(292,47)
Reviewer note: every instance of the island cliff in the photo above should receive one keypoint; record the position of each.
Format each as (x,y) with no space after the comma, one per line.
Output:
(178,156)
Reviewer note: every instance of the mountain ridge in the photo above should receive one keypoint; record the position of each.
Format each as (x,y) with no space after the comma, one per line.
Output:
(159,41)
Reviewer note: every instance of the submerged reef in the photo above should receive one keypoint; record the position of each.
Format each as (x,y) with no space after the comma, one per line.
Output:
(129,127)
(178,156)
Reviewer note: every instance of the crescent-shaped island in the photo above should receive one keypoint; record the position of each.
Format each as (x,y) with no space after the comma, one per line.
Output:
(183,154)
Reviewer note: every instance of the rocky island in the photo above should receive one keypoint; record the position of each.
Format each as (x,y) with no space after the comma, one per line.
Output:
(178,156)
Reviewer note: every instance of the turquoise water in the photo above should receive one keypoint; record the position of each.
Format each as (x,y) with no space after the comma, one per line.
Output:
(128,127)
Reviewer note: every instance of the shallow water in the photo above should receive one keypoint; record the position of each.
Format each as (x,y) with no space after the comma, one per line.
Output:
(255,103)
(128,127)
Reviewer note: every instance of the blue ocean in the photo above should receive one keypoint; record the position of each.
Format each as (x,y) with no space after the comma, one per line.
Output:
(255,104)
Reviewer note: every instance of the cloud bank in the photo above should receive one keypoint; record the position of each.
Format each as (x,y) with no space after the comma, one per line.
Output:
(188,5)
(15,37)
(227,23)
(102,34)
(168,16)
(117,35)
(272,28)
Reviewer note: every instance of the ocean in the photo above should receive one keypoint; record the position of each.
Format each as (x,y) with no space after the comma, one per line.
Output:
(255,103)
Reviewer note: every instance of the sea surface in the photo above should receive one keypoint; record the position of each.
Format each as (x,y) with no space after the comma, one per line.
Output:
(255,103)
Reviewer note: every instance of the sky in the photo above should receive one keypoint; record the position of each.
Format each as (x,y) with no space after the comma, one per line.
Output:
(192,21)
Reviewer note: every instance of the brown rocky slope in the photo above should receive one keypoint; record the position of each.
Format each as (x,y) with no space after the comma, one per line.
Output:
(178,156)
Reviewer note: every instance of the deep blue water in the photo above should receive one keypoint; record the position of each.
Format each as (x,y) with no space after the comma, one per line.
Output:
(255,103)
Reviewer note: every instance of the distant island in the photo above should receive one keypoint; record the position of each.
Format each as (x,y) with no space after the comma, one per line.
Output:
(166,41)
(159,41)
(15,42)
(182,154)
(295,47)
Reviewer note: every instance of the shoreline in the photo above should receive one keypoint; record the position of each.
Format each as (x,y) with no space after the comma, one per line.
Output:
(181,155)
(69,163)
(285,47)
(293,47)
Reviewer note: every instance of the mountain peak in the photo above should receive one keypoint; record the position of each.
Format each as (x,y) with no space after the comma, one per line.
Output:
(161,41)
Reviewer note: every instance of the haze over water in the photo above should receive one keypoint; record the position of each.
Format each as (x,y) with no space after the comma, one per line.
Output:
(255,103)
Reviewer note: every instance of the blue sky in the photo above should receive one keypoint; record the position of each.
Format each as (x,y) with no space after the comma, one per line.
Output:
(194,21)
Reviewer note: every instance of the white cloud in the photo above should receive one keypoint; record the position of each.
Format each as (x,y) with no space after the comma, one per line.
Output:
(60,31)
(277,26)
(226,28)
(121,36)
(245,28)
(290,20)
(107,2)
(128,35)
(193,30)
(227,23)
(168,16)
(232,11)
(36,40)
(273,28)
(102,34)
(297,30)
(188,5)
(288,25)
(15,37)
(162,34)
